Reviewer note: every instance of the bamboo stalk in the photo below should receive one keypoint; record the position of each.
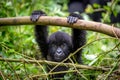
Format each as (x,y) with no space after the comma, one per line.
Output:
(60,21)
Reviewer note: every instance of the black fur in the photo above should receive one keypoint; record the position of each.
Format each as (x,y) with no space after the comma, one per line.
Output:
(59,45)
(49,45)
(80,6)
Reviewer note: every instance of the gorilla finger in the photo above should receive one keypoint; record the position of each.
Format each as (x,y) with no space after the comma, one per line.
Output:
(69,19)
(34,18)
(75,19)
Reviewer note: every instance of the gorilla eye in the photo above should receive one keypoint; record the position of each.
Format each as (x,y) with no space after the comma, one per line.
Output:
(53,45)
(63,45)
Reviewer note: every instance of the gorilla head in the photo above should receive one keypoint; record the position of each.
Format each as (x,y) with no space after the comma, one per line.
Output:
(59,46)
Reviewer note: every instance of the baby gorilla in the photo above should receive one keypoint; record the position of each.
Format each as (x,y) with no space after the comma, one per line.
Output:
(59,45)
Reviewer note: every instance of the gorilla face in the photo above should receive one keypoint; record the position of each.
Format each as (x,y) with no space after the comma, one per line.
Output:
(59,46)
(58,52)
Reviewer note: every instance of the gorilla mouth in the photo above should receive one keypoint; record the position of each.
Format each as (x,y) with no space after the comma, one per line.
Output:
(58,58)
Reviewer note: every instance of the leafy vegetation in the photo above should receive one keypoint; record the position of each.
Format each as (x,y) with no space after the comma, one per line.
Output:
(18,42)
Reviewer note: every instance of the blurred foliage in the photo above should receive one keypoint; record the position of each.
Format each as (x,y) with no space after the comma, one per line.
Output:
(18,42)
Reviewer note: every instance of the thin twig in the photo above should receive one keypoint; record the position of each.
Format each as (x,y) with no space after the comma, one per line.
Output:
(55,63)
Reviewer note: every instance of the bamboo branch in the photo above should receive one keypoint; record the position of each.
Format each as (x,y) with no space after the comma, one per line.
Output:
(60,21)
(55,63)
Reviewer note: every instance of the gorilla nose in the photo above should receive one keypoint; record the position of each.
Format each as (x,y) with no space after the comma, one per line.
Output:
(59,50)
